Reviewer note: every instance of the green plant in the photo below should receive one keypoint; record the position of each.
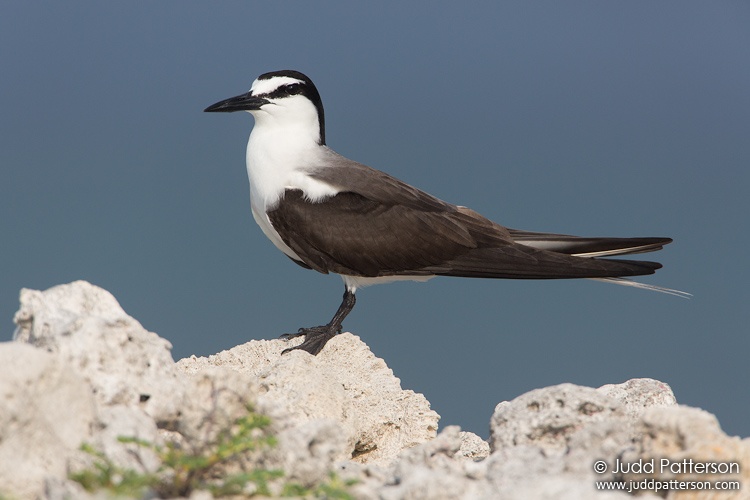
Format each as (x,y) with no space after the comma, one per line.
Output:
(183,470)
(104,474)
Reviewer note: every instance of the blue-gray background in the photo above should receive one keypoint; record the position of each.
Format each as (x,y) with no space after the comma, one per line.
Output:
(593,118)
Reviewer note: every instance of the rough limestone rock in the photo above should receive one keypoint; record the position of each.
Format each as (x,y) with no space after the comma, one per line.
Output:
(638,394)
(682,434)
(436,470)
(77,347)
(544,444)
(46,411)
(473,447)
(82,371)
(549,417)
(345,384)
(219,395)
(546,441)
(87,328)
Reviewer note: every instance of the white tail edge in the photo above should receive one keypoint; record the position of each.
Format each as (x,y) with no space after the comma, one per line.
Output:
(644,286)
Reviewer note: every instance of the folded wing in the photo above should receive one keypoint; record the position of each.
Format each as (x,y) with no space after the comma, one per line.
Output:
(353,234)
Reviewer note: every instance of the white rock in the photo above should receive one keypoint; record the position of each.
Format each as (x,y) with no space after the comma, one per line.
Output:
(545,442)
(682,435)
(87,328)
(473,447)
(46,412)
(548,417)
(307,452)
(436,470)
(638,394)
(345,384)
(96,374)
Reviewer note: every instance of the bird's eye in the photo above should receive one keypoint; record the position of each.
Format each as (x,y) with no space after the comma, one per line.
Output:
(294,89)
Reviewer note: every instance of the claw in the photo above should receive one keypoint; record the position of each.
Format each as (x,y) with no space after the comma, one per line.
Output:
(317,336)
(290,336)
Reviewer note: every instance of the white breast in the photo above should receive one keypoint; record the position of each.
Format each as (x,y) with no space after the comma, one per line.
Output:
(278,159)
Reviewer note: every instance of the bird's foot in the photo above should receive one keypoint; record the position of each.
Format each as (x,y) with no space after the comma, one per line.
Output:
(315,338)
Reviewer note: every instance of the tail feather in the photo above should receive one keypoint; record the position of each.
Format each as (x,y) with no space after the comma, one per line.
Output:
(587,247)
(524,262)
(645,286)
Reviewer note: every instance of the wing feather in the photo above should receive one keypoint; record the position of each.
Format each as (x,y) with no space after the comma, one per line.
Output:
(587,247)
(353,235)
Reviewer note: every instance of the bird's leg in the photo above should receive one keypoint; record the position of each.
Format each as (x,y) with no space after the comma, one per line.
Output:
(317,336)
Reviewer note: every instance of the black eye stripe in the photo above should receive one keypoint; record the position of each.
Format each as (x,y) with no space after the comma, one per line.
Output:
(285,91)
(304,86)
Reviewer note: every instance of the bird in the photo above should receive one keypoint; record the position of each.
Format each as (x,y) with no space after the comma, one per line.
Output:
(334,215)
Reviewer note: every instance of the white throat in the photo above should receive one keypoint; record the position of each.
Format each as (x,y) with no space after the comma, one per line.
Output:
(277,153)
(282,148)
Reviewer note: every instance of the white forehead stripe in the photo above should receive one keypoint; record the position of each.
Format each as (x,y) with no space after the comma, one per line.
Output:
(268,86)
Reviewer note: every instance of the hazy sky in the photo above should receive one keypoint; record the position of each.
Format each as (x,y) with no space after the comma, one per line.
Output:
(592,118)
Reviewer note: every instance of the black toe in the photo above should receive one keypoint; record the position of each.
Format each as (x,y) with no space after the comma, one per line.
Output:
(315,338)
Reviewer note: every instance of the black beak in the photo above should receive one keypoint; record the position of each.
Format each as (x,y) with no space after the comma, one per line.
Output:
(244,102)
